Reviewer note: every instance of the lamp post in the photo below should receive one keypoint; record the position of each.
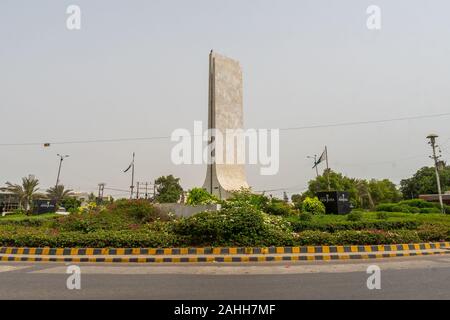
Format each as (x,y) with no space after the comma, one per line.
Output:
(61,159)
(432,137)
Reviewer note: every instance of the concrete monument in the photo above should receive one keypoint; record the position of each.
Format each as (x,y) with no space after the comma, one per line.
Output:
(225,112)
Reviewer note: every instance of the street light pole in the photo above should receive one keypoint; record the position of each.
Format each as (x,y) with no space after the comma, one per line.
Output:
(61,158)
(432,142)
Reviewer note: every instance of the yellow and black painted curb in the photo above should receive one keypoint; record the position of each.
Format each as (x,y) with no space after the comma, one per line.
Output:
(223,251)
(199,259)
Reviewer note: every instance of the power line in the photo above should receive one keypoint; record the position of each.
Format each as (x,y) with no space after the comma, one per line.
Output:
(319,126)
(354,123)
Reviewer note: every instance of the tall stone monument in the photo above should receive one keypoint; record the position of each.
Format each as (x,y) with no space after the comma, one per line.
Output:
(225,111)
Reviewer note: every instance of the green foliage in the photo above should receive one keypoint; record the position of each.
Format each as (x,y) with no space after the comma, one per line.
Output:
(59,193)
(305,216)
(98,239)
(410,206)
(313,206)
(168,189)
(71,204)
(141,211)
(297,200)
(245,196)
(241,224)
(122,214)
(430,210)
(418,203)
(279,208)
(357,237)
(299,226)
(363,193)
(19,212)
(424,182)
(355,216)
(382,215)
(433,232)
(199,196)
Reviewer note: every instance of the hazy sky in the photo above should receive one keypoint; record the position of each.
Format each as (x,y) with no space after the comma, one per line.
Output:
(140,69)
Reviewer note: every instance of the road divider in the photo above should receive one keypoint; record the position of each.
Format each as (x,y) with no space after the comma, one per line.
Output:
(223,250)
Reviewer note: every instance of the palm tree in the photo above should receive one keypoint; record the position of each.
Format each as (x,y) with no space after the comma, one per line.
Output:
(58,193)
(364,193)
(25,192)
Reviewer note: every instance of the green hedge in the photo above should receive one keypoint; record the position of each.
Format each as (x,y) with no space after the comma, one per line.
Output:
(133,239)
(299,226)
(357,237)
(99,239)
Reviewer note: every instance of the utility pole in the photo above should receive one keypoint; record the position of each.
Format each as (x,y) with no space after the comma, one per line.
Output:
(137,190)
(61,159)
(132,179)
(315,163)
(146,190)
(101,187)
(328,168)
(435,157)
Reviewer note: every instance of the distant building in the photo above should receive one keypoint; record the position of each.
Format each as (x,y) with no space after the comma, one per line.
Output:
(435,197)
(8,202)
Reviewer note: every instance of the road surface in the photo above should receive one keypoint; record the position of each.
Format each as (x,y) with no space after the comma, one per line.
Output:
(426,277)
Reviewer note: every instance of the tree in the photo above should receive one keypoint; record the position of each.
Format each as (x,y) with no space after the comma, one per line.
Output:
(424,182)
(25,192)
(168,189)
(59,193)
(362,193)
(384,191)
(71,203)
(199,196)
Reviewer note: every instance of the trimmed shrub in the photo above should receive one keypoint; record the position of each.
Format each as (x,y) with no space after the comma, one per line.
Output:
(430,210)
(433,232)
(357,237)
(279,208)
(418,203)
(98,239)
(299,226)
(387,207)
(313,206)
(382,215)
(354,216)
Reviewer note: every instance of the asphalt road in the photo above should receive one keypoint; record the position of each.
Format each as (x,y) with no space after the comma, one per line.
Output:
(401,278)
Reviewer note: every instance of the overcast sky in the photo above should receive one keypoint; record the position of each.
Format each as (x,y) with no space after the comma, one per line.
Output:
(140,69)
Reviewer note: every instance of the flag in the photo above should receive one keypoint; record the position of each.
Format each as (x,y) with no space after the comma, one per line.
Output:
(131,164)
(322,158)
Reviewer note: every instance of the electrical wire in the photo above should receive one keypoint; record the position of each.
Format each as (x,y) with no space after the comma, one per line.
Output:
(319,126)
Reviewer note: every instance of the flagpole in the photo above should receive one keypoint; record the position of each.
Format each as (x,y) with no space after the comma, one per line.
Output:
(132,178)
(328,168)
